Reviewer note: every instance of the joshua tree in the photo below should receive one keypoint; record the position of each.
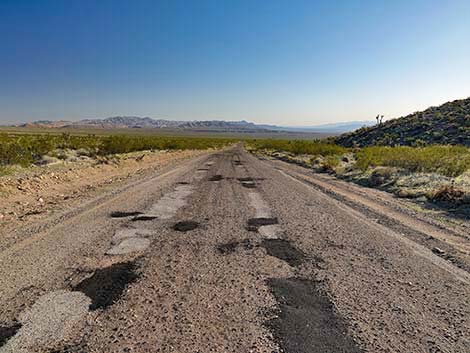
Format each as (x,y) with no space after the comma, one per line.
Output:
(379,119)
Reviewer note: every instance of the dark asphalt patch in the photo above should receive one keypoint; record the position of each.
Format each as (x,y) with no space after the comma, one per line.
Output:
(230,247)
(143,218)
(6,332)
(120,214)
(216,177)
(247,244)
(106,285)
(307,321)
(245,179)
(283,250)
(185,226)
(247,182)
(71,349)
(249,179)
(227,248)
(254,223)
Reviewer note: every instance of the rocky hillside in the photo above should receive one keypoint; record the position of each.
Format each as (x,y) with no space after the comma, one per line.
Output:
(445,124)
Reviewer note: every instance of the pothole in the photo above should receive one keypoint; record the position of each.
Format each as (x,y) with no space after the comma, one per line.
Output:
(306,321)
(230,247)
(245,179)
(6,332)
(185,226)
(80,348)
(247,182)
(143,218)
(106,285)
(249,179)
(253,224)
(216,177)
(227,248)
(283,250)
(121,214)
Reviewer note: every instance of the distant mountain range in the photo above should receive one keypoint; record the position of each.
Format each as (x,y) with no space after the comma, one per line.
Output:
(448,123)
(134,122)
(338,128)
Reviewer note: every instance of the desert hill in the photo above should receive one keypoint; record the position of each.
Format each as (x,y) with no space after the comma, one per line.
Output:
(445,124)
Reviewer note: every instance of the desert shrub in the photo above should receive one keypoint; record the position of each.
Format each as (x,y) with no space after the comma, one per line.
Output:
(15,151)
(124,144)
(24,149)
(381,175)
(446,160)
(447,193)
(330,163)
(316,148)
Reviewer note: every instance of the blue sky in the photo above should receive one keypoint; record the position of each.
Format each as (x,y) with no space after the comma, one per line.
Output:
(283,62)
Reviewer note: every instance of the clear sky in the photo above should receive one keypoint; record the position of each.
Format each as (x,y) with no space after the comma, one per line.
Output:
(284,62)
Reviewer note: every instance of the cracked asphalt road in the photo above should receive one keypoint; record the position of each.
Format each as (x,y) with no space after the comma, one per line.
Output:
(230,253)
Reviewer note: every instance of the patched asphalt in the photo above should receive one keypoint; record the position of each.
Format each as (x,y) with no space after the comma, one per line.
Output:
(229,254)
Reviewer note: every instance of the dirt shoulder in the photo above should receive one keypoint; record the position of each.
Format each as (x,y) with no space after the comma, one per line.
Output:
(29,195)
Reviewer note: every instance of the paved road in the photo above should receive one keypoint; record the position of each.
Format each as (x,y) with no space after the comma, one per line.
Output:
(230,253)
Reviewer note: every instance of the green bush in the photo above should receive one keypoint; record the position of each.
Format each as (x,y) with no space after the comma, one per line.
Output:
(330,163)
(446,160)
(24,149)
(316,148)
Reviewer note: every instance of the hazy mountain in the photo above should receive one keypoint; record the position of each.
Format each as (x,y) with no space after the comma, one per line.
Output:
(333,127)
(125,122)
(445,124)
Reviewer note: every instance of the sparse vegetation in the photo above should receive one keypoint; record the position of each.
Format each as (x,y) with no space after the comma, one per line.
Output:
(445,160)
(448,124)
(407,171)
(449,161)
(25,149)
(296,147)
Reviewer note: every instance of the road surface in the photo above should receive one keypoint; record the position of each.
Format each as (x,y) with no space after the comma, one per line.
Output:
(227,252)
